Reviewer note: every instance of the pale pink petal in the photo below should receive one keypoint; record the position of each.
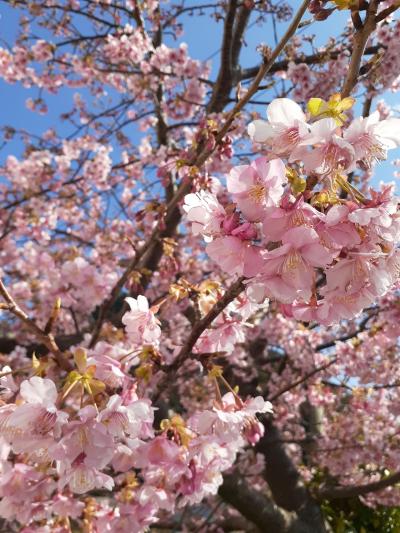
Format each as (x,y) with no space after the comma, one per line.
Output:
(300,236)
(389,132)
(260,131)
(316,255)
(284,111)
(40,391)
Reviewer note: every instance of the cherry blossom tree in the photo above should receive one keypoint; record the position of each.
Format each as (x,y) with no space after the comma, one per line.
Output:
(199,271)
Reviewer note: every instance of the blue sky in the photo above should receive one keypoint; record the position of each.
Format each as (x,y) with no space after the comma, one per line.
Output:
(203,39)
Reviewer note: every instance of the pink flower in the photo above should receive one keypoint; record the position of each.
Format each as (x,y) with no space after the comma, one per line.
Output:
(157,496)
(8,387)
(82,478)
(379,216)
(285,128)
(87,439)
(221,338)
(108,370)
(160,451)
(230,416)
(354,283)
(235,256)
(336,231)
(141,324)
(257,186)
(39,415)
(204,212)
(288,271)
(279,220)
(66,506)
(371,137)
(121,419)
(253,431)
(330,152)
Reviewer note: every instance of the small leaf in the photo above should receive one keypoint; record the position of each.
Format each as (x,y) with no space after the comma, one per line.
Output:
(314,106)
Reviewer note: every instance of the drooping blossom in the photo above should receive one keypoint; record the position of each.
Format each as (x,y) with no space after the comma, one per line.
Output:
(140,321)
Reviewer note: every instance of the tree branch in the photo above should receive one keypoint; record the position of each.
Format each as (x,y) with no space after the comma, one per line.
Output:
(253,505)
(234,290)
(312,59)
(302,379)
(223,84)
(358,490)
(361,37)
(46,338)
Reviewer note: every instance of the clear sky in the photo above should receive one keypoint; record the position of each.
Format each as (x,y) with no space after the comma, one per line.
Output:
(203,37)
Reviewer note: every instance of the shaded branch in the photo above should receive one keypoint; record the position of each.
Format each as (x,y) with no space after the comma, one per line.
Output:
(358,490)
(254,505)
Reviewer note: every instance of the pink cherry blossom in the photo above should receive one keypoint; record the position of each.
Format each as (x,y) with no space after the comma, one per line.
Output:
(204,212)
(236,256)
(141,324)
(39,414)
(285,128)
(288,271)
(257,186)
(120,419)
(371,137)
(330,151)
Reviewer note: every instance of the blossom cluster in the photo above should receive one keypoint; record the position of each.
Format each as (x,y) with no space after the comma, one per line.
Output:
(99,429)
(323,256)
(155,403)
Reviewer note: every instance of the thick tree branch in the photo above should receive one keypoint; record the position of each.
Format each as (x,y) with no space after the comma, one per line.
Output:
(237,41)
(223,84)
(285,483)
(64,342)
(253,505)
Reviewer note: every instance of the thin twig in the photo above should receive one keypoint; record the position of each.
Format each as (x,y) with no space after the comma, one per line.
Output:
(46,338)
(358,490)
(234,290)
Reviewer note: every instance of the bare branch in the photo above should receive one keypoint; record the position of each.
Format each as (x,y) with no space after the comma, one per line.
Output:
(361,37)
(358,490)
(302,379)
